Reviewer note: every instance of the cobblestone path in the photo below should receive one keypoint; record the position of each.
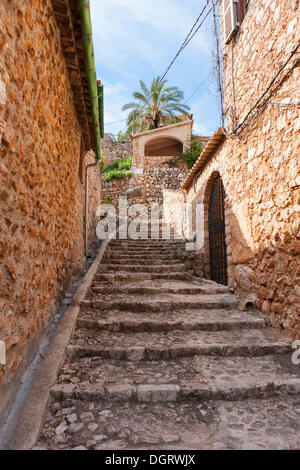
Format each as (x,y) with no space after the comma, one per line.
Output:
(162,360)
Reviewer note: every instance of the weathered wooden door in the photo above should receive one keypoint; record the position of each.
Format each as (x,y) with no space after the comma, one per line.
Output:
(217,238)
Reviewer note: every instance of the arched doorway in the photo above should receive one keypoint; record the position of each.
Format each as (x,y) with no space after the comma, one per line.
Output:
(217,238)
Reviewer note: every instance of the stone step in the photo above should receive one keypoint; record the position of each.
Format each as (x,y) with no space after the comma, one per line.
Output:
(272,423)
(240,390)
(147,247)
(175,344)
(146,242)
(121,255)
(159,268)
(159,303)
(186,320)
(132,322)
(151,287)
(183,371)
(187,372)
(145,254)
(149,252)
(112,277)
(149,262)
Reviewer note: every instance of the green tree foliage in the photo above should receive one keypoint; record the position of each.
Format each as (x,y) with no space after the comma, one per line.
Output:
(190,156)
(155,106)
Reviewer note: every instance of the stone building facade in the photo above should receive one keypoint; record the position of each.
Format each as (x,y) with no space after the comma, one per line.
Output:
(258,162)
(151,152)
(45,134)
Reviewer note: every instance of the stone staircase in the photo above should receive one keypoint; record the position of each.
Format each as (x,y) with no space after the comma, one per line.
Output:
(161,360)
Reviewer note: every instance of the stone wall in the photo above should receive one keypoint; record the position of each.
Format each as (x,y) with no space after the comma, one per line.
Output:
(260,169)
(114,188)
(155,180)
(113,150)
(41,194)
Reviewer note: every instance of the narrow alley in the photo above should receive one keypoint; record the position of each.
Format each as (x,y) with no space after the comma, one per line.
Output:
(163,360)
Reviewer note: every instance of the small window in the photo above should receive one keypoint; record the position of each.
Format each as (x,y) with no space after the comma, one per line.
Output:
(242,10)
(234,11)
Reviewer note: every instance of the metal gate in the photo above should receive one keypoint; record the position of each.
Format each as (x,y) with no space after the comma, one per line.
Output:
(217,239)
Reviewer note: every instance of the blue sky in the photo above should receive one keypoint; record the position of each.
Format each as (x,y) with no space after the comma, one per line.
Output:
(137,39)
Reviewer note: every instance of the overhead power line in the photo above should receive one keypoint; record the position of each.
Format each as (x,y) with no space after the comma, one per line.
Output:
(190,36)
(195,91)
(115,122)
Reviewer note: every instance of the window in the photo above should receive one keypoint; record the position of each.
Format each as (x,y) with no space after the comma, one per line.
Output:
(242,10)
(234,12)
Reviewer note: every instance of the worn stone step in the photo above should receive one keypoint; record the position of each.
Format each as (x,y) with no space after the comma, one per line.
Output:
(272,423)
(149,242)
(149,262)
(187,372)
(212,320)
(241,389)
(150,254)
(162,287)
(171,345)
(159,303)
(148,247)
(163,268)
(141,323)
(112,277)
(125,255)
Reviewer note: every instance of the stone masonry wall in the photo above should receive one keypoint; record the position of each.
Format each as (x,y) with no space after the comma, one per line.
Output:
(260,170)
(41,195)
(155,180)
(113,150)
(114,188)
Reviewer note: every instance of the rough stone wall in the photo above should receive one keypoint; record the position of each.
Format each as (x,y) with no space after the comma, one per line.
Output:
(260,170)
(41,195)
(155,180)
(114,188)
(269,32)
(113,150)
(94,199)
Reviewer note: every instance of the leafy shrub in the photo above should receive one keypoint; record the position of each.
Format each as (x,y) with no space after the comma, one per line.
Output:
(117,175)
(118,169)
(107,199)
(190,156)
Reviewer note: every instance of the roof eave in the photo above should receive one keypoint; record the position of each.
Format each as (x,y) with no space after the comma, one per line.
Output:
(214,143)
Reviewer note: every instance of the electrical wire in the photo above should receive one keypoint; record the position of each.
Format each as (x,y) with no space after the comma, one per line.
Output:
(198,88)
(260,101)
(115,122)
(294,51)
(189,37)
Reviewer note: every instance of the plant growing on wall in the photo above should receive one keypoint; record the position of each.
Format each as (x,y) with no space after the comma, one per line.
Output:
(190,156)
(119,169)
(155,107)
(107,199)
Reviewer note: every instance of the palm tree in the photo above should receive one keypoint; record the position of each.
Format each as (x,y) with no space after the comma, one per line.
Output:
(155,106)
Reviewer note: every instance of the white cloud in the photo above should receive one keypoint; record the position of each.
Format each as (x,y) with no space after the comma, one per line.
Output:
(137,39)
(148,31)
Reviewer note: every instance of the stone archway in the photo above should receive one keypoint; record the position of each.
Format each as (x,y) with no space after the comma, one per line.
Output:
(216,230)
(163,146)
